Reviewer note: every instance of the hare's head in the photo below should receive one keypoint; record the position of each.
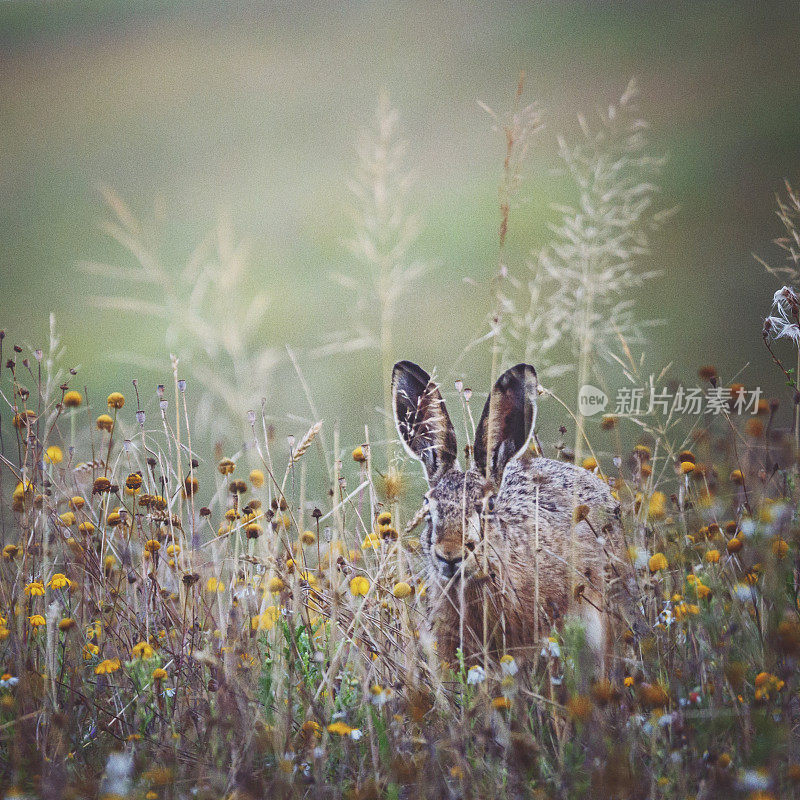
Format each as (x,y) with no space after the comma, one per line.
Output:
(460,505)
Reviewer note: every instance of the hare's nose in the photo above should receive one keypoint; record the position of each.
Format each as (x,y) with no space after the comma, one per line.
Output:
(449,566)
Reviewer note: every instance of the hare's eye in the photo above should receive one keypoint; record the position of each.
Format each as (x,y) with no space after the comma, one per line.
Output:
(470,546)
(478,508)
(490,504)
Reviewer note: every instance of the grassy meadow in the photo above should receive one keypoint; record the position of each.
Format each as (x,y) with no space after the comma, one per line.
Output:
(221,225)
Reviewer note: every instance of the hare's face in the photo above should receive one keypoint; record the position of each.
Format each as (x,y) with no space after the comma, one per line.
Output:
(460,504)
(457,508)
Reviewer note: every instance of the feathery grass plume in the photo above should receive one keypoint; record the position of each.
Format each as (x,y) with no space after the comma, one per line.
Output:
(579,288)
(788,212)
(208,312)
(516,128)
(382,244)
(595,259)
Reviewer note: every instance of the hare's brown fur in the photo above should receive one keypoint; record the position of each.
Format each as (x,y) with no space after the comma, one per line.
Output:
(511,548)
(509,585)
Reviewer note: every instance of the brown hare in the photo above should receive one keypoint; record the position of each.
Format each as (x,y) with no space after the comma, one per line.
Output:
(516,541)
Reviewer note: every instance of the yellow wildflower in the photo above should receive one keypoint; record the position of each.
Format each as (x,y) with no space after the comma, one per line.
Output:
(780,547)
(265,621)
(257,478)
(142,650)
(657,562)
(402,590)
(72,399)
(59,581)
(359,586)
(657,506)
(105,423)
(116,400)
(53,454)
(358,455)
(340,728)
(226,466)
(107,666)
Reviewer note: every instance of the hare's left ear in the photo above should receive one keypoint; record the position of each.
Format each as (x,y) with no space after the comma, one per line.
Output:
(507,421)
(422,420)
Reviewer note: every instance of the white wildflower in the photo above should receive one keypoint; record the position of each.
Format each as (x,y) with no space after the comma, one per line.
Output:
(476,674)
(752,780)
(744,592)
(551,649)
(508,665)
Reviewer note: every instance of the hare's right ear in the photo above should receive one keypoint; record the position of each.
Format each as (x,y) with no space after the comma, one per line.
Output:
(422,420)
(507,421)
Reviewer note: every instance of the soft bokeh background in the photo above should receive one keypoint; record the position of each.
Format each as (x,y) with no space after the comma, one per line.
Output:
(202,109)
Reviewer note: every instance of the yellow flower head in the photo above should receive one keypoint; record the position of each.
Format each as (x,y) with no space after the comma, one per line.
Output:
(53,454)
(72,399)
(116,400)
(86,527)
(107,666)
(308,538)
(402,590)
(10,551)
(265,621)
(35,589)
(159,674)
(275,584)
(215,585)
(780,547)
(359,456)
(712,556)
(105,423)
(226,466)
(657,562)
(59,581)
(359,586)
(77,502)
(339,728)
(66,624)
(658,505)
(253,530)
(142,650)
(257,478)
(37,621)
(90,651)
(384,518)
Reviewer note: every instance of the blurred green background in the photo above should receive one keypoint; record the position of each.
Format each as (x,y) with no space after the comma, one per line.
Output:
(252,110)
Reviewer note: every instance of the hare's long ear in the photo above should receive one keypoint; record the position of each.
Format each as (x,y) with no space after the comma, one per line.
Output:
(422,420)
(507,421)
